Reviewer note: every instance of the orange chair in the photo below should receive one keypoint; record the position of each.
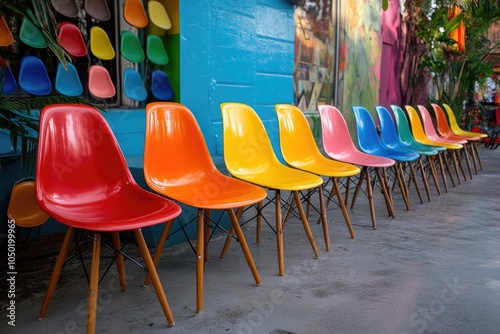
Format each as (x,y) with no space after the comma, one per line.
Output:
(6,37)
(249,155)
(443,127)
(177,164)
(23,207)
(135,14)
(338,145)
(83,181)
(299,149)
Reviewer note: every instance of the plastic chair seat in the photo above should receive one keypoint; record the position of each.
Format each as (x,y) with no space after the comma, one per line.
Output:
(133,85)
(31,35)
(135,14)
(6,37)
(159,15)
(70,38)
(100,45)
(161,87)
(9,82)
(68,82)
(100,83)
(456,129)
(98,9)
(23,207)
(131,48)
(83,181)
(66,7)
(431,133)
(33,77)
(172,131)
(155,50)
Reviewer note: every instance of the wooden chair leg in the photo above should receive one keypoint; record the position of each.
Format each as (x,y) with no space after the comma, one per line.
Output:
(467,159)
(478,156)
(159,247)
(347,219)
(362,176)
(63,252)
(94,284)
(324,219)
(115,237)
(347,186)
(154,276)
(279,234)
(258,230)
(206,233)
(244,246)
(424,179)
(442,158)
(402,184)
(432,167)
(413,177)
(200,248)
(305,223)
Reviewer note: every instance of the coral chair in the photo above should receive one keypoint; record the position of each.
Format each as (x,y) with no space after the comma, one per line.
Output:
(405,135)
(338,145)
(390,138)
(369,142)
(68,81)
(83,181)
(100,83)
(419,134)
(431,133)
(33,76)
(299,149)
(135,14)
(71,39)
(177,164)
(249,155)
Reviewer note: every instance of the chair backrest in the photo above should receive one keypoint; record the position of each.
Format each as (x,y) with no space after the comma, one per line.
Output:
(174,150)
(443,126)
(98,9)
(337,141)
(133,85)
(427,122)
(9,82)
(71,39)
(296,139)
(135,14)
(100,83)
(368,138)
(100,45)
(6,37)
(161,87)
(158,15)
(247,147)
(30,35)
(388,130)
(131,48)
(155,50)
(33,77)
(79,160)
(68,82)
(417,127)
(23,207)
(66,7)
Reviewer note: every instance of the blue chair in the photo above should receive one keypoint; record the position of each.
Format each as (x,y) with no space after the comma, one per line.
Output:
(68,82)
(369,142)
(133,86)
(9,82)
(390,138)
(33,77)
(161,87)
(405,135)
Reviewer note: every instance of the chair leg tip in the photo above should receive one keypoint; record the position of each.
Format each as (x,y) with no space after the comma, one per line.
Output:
(172,324)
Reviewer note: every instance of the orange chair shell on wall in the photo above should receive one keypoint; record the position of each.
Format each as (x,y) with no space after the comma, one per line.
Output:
(135,14)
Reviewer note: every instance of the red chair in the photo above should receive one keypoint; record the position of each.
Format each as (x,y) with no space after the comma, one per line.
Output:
(83,181)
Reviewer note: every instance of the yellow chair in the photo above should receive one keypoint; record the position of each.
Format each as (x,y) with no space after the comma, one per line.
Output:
(300,150)
(457,130)
(100,44)
(249,156)
(158,15)
(420,136)
(23,208)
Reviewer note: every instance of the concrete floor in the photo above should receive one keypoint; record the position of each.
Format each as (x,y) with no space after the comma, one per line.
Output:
(433,269)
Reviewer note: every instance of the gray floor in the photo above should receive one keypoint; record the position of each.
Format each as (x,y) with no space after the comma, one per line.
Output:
(433,269)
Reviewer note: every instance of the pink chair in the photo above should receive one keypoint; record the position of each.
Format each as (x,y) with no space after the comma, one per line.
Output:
(338,144)
(100,83)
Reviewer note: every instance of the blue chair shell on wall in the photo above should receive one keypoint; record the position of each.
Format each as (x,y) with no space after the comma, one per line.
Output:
(161,87)
(9,82)
(133,85)
(68,82)
(33,77)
